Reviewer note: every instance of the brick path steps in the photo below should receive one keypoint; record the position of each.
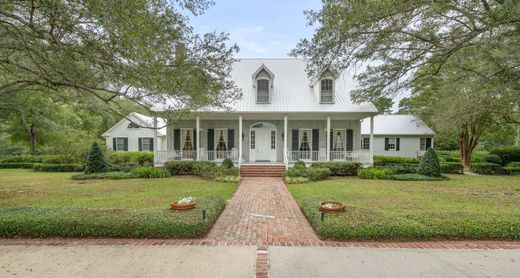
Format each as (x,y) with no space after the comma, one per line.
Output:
(262,170)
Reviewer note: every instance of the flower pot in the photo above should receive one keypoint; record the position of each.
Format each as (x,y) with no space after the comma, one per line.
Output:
(332,206)
(175,206)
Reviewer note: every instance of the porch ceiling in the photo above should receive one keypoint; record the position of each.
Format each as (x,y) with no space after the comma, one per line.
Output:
(280,116)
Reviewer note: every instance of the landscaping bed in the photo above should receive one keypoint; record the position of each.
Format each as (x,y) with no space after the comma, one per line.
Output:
(463,207)
(39,204)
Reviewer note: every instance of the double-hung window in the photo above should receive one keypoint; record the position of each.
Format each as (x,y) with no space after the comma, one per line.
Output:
(221,142)
(305,143)
(338,140)
(392,144)
(422,146)
(147,144)
(262,91)
(187,143)
(326,91)
(121,144)
(365,144)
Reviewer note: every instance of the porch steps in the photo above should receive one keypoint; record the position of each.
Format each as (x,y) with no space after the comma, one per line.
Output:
(262,170)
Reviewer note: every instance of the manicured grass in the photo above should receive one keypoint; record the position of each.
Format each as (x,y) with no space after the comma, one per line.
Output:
(51,204)
(463,207)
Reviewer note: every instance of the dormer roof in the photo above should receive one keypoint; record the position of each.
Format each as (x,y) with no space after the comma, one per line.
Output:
(263,68)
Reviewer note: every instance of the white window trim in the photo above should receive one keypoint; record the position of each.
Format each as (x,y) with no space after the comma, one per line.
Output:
(309,138)
(421,145)
(270,82)
(142,143)
(363,143)
(395,143)
(117,144)
(333,91)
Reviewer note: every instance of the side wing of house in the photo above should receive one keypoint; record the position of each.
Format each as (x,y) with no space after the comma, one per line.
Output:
(133,136)
(399,145)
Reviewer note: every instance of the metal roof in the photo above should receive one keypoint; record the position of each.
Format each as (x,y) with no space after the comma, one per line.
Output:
(292,90)
(396,125)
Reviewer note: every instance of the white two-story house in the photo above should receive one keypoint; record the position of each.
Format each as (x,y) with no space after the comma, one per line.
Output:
(284,116)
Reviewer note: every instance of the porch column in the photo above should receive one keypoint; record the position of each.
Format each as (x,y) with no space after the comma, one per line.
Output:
(197,147)
(155,156)
(371,146)
(328,138)
(239,140)
(285,159)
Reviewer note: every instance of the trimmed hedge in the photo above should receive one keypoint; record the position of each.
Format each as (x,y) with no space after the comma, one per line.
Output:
(139,158)
(45,159)
(512,170)
(383,160)
(492,158)
(452,168)
(16,165)
(296,180)
(311,173)
(150,172)
(374,173)
(402,168)
(119,223)
(339,168)
(513,164)
(38,167)
(206,169)
(507,154)
(487,169)
(371,224)
(22,159)
(105,176)
(413,177)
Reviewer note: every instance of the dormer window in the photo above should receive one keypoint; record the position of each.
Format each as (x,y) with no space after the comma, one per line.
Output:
(262,91)
(327,91)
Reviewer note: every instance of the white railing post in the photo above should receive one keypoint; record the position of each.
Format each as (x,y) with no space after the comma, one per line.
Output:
(328,138)
(155,154)
(239,140)
(371,145)
(197,147)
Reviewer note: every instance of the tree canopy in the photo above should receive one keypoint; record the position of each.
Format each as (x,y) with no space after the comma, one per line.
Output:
(141,50)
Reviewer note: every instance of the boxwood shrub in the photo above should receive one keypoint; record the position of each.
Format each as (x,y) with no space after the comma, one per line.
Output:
(339,168)
(149,172)
(487,169)
(429,165)
(16,165)
(38,167)
(42,222)
(206,169)
(404,168)
(507,154)
(452,168)
(311,173)
(383,160)
(374,173)
(139,158)
(492,158)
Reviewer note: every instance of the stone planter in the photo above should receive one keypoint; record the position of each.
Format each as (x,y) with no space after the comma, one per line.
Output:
(334,206)
(175,206)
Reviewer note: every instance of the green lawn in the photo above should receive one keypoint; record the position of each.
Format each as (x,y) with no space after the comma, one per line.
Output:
(471,207)
(22,188)
(39,204)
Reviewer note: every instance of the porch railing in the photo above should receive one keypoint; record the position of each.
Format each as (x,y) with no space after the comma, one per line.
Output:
(173,155)
(354,156)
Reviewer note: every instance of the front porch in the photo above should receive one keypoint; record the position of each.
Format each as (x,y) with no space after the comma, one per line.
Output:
(266,139)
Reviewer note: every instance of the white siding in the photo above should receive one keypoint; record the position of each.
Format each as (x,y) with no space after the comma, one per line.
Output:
(409,145)
(133,135)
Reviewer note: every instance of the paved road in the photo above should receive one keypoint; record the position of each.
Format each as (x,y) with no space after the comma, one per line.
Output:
(366,262)
(239,261)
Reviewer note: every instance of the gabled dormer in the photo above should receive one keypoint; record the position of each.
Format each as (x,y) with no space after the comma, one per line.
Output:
(263,80)
(324,85)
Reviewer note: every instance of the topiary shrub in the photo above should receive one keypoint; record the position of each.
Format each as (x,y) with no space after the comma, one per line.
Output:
(452,168)
(300,164)
(339,168)
(227,163)
(429,165)
(374,173)
(487,169)
(492,158)
(96,161)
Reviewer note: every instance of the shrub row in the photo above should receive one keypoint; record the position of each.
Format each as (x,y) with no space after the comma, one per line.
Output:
(452,168)
(150,172)
(413,177)
(374,173)
(120,223)
(206,169)
(507,154)
(45,159)
(487,169)
(139,158)
(454,156)
(12,165)
(311,173)
(384,160)
(105,176)
(339,168)
(38,167)
(366,224)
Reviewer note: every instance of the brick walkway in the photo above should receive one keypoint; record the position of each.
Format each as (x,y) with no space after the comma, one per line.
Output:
(262,211)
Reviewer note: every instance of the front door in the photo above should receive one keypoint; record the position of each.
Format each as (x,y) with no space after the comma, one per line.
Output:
(262,147)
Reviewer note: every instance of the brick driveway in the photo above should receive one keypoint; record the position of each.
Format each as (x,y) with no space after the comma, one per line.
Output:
(262,211)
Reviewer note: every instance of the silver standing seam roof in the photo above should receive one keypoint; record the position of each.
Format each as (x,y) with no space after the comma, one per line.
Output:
(292,90)
(398,124)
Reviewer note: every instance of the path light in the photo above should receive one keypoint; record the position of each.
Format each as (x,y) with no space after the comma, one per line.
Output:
(204,215)
(322,216)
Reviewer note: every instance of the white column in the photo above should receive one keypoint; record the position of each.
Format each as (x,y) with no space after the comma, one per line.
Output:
(198,137)
(239,140)
(371,140)
(285,159)
(155,153)
(328,138)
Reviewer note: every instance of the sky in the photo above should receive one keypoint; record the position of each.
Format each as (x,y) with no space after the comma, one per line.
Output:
(261,28)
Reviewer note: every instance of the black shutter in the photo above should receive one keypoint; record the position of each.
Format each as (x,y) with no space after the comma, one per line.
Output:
(315,143)
(331,139)
(114,144)
(140,144)
(151,144)
(350,140)
(428,143)
(295,135)
(387,141)
(195,144)
(211,139)
(397,144)
(177,139)
(231,138)
(126,144)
